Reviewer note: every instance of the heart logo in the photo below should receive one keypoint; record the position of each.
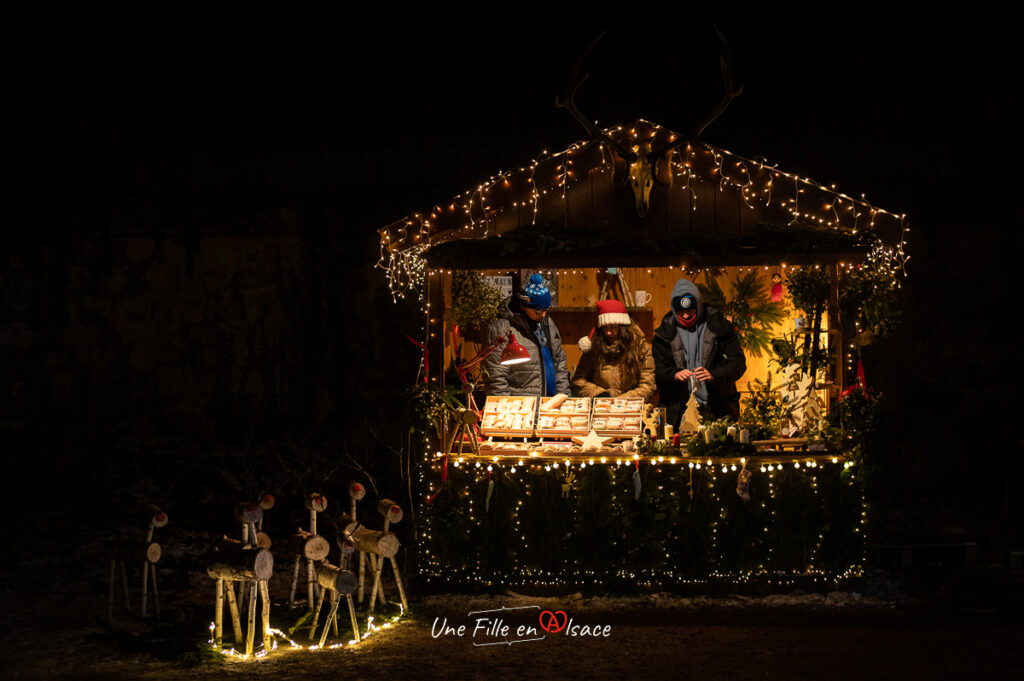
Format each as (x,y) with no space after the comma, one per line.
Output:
(549,621)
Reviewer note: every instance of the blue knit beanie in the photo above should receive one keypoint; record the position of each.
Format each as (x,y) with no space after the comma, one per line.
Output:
(535,294)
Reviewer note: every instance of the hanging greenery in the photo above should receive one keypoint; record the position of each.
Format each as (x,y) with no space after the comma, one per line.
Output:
(751,311)
(809,289)
(475,303)
(763,410)
(867,298)
(854,428)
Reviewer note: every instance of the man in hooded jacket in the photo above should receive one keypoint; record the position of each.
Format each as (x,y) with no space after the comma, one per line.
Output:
(696,348)
(546,373)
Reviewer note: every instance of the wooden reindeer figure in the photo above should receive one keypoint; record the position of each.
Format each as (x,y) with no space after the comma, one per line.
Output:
(147,552)
(309,546)
(356,492)
(232,561)
(248,514)
(338,582)
(381,545)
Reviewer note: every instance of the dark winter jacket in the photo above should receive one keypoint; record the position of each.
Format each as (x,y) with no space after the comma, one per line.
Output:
(526,378)
(722,356)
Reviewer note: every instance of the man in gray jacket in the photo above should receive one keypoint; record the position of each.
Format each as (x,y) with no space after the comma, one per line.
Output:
(697,348)
(547,372)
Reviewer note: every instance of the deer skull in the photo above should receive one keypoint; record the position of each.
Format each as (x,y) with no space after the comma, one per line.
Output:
(641,177)
(644,164)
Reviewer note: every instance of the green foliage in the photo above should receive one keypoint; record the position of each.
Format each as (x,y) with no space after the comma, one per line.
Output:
(764,411)
(868,295)
(787,350)
(722,445)
(751,309)
(854,426)
(430,406)
(475,303)
(808,287)
(202,654)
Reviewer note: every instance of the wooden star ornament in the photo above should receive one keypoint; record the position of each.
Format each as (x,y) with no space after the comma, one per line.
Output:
(592,439)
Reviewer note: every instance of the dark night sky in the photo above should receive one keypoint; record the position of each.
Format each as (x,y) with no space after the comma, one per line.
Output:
(307,80)
(98,83)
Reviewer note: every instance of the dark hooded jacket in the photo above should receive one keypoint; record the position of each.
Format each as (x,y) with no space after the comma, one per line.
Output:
(526,378)
(721,352)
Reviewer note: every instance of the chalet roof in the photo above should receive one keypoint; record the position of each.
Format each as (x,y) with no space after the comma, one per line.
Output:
(569,208)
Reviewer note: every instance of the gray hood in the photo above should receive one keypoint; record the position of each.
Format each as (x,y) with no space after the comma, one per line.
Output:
(684,287)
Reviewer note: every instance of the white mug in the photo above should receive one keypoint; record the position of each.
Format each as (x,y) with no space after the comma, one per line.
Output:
(641,298)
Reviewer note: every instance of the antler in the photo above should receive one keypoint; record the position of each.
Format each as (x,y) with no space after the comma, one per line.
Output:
(567,101)
(725,62)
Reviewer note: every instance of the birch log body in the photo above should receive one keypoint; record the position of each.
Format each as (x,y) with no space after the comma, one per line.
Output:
(237,564)
(390,510)
(373,541)
(134,551)
(335,579)
(310,546)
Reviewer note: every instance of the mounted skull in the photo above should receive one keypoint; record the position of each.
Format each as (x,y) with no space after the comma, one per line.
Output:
(646,164)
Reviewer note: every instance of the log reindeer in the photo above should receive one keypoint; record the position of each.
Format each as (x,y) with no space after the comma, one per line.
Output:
(339,582)
(146,552)
(230,562)
(644,163)
(311,547)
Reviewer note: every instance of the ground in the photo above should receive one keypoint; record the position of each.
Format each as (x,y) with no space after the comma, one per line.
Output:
(838,636)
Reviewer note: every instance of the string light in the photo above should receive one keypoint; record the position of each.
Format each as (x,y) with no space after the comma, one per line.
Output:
(403,243)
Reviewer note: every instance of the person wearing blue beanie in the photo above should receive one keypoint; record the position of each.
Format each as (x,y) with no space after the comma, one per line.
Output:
(546,373)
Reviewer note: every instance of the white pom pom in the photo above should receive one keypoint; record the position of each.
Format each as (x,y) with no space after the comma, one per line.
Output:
(584,344)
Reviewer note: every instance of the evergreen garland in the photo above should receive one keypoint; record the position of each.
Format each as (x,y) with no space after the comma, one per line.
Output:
(475,303)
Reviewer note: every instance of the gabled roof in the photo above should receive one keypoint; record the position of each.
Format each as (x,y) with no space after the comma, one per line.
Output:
(568,208)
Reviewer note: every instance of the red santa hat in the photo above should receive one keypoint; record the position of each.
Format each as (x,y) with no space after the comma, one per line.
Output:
(608,312)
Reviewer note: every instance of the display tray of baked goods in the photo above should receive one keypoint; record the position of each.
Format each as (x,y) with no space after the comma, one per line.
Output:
(508,416)
(624,426)
(562,415)
(617,416)
(618,406)
(550,449)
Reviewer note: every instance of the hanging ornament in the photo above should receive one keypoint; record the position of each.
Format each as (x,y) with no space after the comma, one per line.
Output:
(776,288)
(490,490)
(636,480)
(567,484)
(743,483)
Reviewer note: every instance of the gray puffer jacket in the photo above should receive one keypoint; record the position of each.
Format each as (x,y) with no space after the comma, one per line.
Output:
(526,378)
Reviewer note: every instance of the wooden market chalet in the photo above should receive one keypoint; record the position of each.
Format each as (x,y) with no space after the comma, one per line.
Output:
(631,209)
(652,204)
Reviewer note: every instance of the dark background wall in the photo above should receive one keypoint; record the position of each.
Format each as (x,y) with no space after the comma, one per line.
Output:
(190,221)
